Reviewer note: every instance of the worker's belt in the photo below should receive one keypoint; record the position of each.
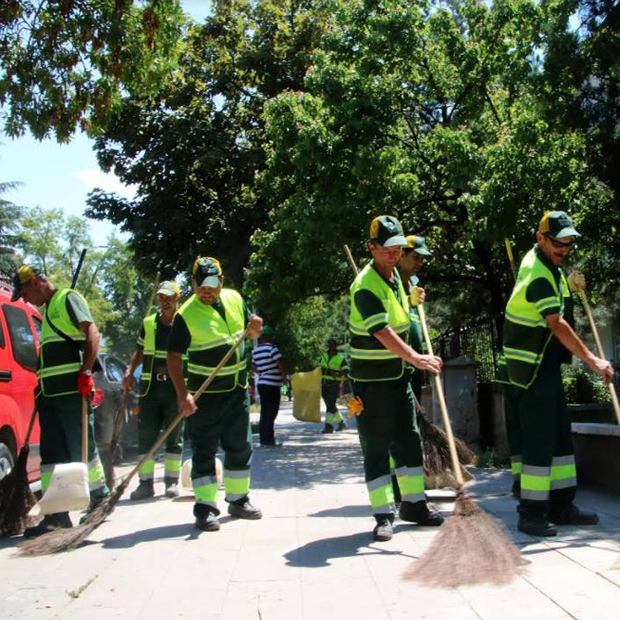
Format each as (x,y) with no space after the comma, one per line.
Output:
(161,376)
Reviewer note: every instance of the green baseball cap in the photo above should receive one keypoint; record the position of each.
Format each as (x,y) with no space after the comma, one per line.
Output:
(418,245)
(558,225)
(22,276)
(169,288)
(268,332)
(387,231)
(207,272)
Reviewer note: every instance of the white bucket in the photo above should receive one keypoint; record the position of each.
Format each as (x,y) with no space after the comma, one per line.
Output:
(186,474)
(68,490)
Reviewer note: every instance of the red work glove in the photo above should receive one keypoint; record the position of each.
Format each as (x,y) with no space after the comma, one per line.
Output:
(85,384)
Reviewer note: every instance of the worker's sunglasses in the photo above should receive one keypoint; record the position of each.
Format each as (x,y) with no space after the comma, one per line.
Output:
(558,244)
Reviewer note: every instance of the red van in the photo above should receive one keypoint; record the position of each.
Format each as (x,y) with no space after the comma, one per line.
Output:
(20,330)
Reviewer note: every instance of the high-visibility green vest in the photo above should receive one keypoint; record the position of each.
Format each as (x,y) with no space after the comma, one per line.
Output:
(211,338)
(335,362)
(370,360)
(59,360)
(150,353)
(526,332)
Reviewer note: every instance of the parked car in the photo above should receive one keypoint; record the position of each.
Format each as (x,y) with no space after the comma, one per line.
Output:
(20,330)
(106,403)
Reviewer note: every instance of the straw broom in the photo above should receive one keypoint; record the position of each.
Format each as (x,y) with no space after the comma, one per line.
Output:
(64,539)
(16,498)
(108,466)
(435,449)
(471,546)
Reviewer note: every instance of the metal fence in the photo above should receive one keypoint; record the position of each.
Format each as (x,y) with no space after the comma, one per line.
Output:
(479,340)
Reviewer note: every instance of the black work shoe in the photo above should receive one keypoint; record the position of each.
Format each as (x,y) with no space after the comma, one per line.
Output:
(327,430)
(420,513)
(207,522)
(49,523)
(244,510)
(572,515)
(536,525)
(383,531)
(172,490)
(342,426)
(144,491)
(516,488)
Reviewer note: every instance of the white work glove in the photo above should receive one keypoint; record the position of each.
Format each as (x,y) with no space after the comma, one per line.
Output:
(576,281)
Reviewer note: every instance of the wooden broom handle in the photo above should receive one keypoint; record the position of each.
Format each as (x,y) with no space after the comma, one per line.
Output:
(197,394)
(442,403)
(350,259)
(85,430)
(601,352)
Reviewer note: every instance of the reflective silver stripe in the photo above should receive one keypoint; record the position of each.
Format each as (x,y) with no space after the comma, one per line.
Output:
(534,470)
(64,369)
(172,456)
(563,460)
(207,370)
(171,474)
(377,483)
(233,497)
(534,495)
(547,302)
(410,471)
(240,474)
(382,510)
(563,483)
(375,319)
(357,331)
(515,459)
(372,354)
(204,481)
(205,346)
(96,462)
(148,476)
(96,484)
(413,497)
(525,321)
(400,327)
(212,504)
(517,354)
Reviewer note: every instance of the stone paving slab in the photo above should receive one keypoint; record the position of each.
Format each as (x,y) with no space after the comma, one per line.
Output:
(310,557)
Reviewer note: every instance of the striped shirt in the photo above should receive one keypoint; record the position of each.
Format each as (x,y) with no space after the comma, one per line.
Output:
(265,357)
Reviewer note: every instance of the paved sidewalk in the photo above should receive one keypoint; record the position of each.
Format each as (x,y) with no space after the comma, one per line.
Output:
(310,557)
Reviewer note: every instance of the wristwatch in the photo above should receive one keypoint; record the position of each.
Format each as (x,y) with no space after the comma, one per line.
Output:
(87,372)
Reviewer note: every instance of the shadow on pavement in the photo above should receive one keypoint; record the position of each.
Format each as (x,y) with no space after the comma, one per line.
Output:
(318,553)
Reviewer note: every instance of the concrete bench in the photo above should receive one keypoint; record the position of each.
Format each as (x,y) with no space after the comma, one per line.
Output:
(597,454)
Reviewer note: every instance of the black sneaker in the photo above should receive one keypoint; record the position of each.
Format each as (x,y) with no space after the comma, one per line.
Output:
(420,513)
(572,515)
(383,531)
(327,430)
(144,491)
(244,510)
(207,522)
(49,523)
(536,525)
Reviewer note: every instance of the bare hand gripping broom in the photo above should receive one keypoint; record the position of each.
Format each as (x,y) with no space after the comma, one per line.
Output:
(471,547)
(61,540)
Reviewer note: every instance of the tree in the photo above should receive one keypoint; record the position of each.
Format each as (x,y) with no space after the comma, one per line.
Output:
(195,153)
(9,236)
(429,112)
(65,63)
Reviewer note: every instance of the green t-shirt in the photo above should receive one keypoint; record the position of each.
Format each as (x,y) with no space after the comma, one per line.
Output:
(368,304)
(78,309)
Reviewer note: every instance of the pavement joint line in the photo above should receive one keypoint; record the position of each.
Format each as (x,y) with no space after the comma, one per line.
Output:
(549,598)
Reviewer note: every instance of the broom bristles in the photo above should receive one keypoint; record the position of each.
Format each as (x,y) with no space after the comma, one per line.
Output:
(16,498)
(71,538)
(470,548)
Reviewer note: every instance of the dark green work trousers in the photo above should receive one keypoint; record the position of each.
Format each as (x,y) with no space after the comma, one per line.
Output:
(539,430)
(60,419)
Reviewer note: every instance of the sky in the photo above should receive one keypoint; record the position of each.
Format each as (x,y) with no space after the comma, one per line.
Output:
(55,175)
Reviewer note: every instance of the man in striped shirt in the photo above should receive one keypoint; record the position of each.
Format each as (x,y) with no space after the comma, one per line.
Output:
(267,363)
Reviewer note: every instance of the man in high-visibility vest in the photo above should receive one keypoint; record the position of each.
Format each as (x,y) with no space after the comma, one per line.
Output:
(68,350)
(537,340)
(379,324)
(158,402)
(206,326)
(334,368)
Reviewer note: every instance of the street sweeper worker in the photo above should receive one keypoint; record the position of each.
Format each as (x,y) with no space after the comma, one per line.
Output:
(410,265)
(69,346)
(206,326)
(334,371)
(537,340)
(379,324)
(158,402)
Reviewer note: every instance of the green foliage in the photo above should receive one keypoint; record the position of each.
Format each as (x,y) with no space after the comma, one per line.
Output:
(65,63)
(9,235)
(581,386)
(490,458)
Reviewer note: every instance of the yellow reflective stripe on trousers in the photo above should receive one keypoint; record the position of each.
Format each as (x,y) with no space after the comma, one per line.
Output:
(516,465)
(96,477)
(563,472)
(205,490)
(535,483)
(52,371)
(520,354)
(46,476)
(172,465)
(236,483)
(411,483)
(147,469)
(381,495)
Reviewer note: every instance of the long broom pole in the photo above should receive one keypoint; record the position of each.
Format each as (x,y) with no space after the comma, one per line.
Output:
(63,539)
(601,351)
(511,258)
(118,422)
